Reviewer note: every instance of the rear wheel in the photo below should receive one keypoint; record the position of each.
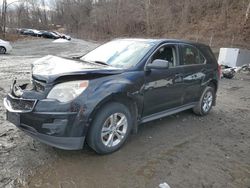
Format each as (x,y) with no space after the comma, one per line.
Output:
(206,102)
(2,50)
(110,128)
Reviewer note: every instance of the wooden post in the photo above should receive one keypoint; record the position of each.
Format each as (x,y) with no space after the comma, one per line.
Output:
(211,40)
(232,41)
(197,36)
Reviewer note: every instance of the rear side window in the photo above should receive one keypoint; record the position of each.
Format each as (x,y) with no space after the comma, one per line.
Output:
(209,54)
(191,56)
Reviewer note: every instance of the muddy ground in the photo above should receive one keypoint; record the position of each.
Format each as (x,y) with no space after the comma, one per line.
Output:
(183,150)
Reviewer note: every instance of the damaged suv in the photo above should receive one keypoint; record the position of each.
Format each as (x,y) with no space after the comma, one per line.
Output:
(101,97)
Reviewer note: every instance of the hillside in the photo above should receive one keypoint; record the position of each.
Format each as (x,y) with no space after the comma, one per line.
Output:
(219,23)
(215,22)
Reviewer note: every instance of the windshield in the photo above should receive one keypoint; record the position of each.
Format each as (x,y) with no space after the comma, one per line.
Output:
(119,53)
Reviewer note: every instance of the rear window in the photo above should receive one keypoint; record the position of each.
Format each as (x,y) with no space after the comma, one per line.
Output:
(206,50)
(191,56)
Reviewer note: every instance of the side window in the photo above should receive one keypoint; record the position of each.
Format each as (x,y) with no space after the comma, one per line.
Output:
(167,53)
(191,56)
(202,59)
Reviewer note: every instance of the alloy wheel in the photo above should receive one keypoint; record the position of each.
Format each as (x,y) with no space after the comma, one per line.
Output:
(207,101)
(114,129)
(2,50)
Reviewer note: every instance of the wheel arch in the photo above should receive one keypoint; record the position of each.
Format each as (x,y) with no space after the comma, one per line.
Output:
(129,102)
(4,48)
(213,83)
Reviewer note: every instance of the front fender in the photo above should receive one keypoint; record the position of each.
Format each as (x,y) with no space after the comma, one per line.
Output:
(108,88)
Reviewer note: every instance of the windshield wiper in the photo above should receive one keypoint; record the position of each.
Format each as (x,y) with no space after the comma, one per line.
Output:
(101,62)
(96,62)
(76,57)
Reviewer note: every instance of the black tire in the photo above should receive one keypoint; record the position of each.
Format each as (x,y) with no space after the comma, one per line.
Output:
(2,50)
(94,138)
(198,109)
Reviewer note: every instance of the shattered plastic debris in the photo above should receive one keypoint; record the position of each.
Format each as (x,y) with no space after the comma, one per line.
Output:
(6,133)
(231,71)
(164,185)
(228,73)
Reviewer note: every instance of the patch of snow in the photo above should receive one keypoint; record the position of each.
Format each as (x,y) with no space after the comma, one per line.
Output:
(61,41)
(164,185)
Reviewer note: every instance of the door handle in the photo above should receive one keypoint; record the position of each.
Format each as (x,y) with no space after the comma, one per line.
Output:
(178,75)
(203,70)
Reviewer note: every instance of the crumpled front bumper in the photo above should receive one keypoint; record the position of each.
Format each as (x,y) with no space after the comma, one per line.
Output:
(57,124)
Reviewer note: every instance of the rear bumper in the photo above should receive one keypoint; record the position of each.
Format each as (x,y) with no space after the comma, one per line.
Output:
(63,129)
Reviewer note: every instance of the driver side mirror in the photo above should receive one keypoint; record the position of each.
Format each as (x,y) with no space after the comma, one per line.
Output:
(158,64)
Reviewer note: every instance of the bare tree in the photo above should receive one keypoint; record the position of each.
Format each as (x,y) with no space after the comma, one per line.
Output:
(102,19)
(4,12)
(247,12)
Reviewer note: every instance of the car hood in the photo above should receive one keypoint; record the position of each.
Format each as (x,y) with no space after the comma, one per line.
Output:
(4,42)
(49,68)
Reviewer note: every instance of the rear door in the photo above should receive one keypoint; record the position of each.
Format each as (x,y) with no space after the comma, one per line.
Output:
(194,72)
(163,88)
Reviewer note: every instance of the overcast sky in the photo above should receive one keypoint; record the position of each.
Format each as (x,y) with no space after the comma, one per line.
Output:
(10,1)
(15,2)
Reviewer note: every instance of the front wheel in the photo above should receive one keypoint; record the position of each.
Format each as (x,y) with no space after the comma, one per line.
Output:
(110,128)
(2,50)
(206,102)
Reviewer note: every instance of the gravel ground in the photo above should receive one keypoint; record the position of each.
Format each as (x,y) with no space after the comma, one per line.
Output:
(20,155)
(183,150)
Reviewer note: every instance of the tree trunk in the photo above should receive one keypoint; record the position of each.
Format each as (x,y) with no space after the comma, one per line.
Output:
(147,7)
(4,12)
(247,12)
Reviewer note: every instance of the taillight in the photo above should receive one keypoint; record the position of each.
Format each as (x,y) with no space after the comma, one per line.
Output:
(219,71)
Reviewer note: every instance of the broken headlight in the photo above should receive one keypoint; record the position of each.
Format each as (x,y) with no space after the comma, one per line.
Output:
(67,91)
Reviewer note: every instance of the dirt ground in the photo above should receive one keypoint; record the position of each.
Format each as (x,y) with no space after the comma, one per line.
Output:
(184,150)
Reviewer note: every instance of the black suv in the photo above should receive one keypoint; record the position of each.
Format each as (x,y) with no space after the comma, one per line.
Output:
(102,96)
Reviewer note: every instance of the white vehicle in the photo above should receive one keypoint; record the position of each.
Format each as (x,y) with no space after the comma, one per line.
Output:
(5,47)
(37,33)
(63,36)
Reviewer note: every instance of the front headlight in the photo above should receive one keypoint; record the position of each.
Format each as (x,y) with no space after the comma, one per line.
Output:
(67,91)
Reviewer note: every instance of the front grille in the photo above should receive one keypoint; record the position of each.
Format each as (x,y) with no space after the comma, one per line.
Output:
(38,86)
(18,104)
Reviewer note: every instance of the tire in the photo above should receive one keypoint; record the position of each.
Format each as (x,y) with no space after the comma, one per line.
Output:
(2,50)
(205,103)
(106,137)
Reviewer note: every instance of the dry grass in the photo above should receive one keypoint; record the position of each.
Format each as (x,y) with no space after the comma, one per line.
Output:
(16,37)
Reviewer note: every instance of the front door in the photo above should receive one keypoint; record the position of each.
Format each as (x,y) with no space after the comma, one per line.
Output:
(163,88)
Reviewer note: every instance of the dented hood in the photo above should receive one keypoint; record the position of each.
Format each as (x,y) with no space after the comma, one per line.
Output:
(49,68)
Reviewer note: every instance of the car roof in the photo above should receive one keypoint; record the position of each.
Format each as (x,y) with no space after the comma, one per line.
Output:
(160,41)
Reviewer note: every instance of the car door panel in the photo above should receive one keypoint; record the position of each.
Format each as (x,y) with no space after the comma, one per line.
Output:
(193,77)
(194,73)
(163,88)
